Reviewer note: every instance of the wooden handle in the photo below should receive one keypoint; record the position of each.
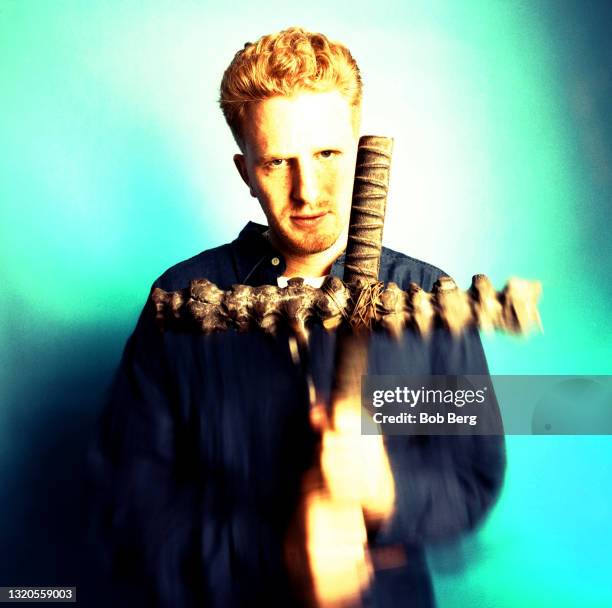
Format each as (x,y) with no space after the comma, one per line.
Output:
(362,257)
(368,208)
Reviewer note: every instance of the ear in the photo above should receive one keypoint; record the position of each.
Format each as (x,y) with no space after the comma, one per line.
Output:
(240,163)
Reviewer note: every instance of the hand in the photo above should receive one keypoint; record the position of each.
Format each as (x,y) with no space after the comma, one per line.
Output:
(353,485)
(336,547)
(355,467)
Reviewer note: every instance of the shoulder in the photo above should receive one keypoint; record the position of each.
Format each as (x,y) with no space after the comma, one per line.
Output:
(225,265)
(403,270)
(214,264)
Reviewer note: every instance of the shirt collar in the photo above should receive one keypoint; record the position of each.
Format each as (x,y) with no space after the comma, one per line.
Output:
(258,262)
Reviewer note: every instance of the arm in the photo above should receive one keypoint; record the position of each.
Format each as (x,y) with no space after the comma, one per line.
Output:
(145,507)
(445,485)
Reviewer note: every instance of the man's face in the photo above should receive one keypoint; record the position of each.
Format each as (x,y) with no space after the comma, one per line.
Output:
(299,161)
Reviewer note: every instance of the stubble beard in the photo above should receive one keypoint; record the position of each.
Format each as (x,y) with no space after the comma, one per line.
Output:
(303,242)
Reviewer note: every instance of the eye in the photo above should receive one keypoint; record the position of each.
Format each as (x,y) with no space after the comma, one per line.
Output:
(328,153)
(275,163)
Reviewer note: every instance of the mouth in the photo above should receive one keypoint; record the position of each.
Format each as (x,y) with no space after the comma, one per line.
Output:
(308,220)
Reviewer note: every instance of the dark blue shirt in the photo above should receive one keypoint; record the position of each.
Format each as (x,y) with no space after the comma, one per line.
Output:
(204,441)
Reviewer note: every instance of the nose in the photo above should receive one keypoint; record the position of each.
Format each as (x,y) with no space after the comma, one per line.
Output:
(304,189)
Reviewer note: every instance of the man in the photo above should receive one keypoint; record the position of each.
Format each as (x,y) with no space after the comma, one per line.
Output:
(206,439)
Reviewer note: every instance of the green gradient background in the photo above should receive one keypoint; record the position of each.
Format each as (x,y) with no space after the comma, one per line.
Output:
(116,164)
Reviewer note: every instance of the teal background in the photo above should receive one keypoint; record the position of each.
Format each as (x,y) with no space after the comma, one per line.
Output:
(116,163)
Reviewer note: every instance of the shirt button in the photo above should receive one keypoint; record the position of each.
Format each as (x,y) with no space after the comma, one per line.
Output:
(275,261)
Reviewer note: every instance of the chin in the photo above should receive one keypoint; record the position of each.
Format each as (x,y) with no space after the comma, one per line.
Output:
(312,244)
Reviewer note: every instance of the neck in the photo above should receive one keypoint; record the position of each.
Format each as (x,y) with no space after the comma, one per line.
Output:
(312,264)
